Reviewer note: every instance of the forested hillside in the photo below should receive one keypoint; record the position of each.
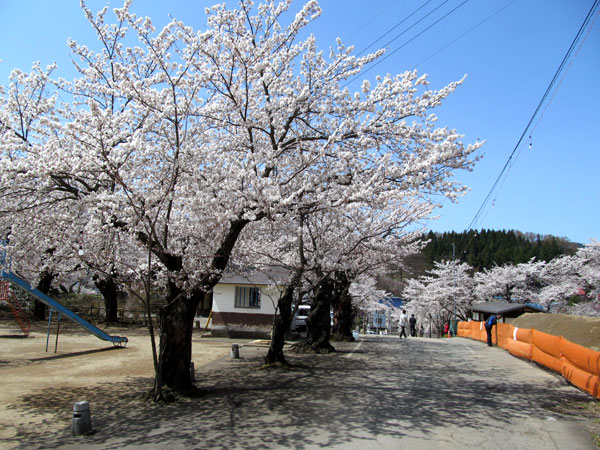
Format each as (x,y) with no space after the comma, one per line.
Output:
(488,248)
(482,249)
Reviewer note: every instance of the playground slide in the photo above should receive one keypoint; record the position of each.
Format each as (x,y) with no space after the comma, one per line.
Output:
(117,340)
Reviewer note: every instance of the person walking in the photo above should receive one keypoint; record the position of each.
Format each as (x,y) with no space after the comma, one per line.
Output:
(403,323)
(492,320)
(413,325)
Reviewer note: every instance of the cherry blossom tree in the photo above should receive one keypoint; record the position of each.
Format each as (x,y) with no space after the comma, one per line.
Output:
(589,278)
(276,244)
(174,146)
(325,252)
(367,299)
(515,283)
(335,246)
(557,280)
(442,293)
(359,240)
(549,284)
(590,267)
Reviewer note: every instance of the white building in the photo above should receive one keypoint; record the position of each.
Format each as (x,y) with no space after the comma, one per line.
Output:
(244,304)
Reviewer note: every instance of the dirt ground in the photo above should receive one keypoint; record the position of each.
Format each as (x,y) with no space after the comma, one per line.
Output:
(38,388)
(581,330)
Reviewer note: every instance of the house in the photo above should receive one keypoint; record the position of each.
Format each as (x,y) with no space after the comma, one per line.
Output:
(482,310)
(380,321)
(244,303)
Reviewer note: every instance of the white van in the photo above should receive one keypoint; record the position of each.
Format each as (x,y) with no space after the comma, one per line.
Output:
(299,318)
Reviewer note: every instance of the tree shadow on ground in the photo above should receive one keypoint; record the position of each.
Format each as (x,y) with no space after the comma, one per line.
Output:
(383,388)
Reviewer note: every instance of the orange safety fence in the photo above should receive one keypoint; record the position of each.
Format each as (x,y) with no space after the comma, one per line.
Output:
(580,356)
(582,379)
(464,329)
(478,331)
(578,364)
(545,350)
(502,334)
(483,334)
(519,343)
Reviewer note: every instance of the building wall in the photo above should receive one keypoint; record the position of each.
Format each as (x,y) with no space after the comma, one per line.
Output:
(229,321)
(224,300)
(242,325)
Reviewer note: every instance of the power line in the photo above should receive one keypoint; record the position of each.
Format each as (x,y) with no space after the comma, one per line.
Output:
(379,61)
(368,22)
(465,33)
(535,113)
(564,74)
(400,23)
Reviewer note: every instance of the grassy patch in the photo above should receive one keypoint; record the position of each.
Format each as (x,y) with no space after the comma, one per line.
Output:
(588,409)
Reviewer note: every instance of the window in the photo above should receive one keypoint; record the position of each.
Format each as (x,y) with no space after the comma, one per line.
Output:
(247,297)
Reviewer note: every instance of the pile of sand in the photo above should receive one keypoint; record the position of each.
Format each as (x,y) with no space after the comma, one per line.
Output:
(581,330)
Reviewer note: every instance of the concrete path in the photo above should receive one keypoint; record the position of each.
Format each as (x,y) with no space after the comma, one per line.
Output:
(378,393)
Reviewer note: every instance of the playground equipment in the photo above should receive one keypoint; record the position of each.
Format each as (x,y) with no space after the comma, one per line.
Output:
(119,341)
(7,277)
(7,296)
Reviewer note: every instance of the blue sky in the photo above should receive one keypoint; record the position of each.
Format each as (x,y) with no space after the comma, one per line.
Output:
(510,59)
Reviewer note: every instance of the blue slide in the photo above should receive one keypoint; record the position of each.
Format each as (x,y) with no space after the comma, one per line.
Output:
(117,340)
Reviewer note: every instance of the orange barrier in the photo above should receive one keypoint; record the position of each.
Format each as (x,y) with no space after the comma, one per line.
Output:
(580,357)
(545,350)
(503,332)
(582,379)
(480,332)
(547,343)
(578,364)
(545,359)
(524,335)
(519,343)
(520,349)
(464,329)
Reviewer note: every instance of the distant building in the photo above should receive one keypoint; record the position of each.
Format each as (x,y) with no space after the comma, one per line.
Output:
(381,321)
(483,310)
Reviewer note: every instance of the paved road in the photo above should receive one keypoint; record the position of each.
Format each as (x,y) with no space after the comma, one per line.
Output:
(378,393)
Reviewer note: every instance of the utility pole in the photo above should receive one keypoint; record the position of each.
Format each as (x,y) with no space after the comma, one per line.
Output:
(454,323)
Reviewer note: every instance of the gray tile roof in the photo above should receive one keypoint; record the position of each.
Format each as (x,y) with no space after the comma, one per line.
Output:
(501,307)
(256,277)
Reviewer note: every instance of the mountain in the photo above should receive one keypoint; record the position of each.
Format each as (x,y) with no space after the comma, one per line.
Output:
(481,249)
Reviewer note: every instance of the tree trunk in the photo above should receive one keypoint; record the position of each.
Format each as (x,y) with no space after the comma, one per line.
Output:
(108,289)
(176,317)
(176,328)
(281,325)
(343,311)
(39,308)
(318,322)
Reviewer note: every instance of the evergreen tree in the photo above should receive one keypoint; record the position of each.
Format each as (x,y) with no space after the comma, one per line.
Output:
(485,249)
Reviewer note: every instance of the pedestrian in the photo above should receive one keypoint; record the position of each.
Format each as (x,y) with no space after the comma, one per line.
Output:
(413,325)
(403,323)
(492,320)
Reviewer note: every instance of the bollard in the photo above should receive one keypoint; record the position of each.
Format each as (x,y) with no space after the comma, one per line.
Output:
(235,351)
(82,420)
(192,372)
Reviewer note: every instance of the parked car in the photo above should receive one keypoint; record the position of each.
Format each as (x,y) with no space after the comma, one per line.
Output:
(299,318)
